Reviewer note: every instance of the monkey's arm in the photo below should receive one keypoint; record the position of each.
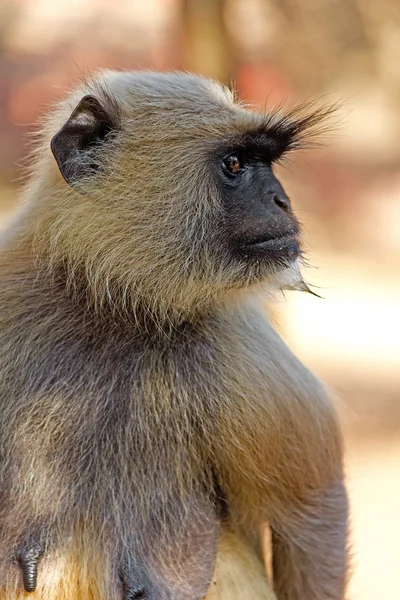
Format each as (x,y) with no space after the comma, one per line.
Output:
(309,546)
(281,462)
(309,524)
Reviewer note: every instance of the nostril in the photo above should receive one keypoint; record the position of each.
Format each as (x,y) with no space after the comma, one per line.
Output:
(281,201)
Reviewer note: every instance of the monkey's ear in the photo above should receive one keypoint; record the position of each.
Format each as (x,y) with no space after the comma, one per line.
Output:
(75,146)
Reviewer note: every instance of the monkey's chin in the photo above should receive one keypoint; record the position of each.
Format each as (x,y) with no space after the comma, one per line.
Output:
(274,259)
(284,275)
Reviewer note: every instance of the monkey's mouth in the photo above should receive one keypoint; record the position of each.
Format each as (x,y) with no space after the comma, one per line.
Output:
(281,249)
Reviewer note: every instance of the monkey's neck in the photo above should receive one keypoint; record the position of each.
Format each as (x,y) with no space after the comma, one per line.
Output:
(55,285)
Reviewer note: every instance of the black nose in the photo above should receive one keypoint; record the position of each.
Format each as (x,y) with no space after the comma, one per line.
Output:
(281,200)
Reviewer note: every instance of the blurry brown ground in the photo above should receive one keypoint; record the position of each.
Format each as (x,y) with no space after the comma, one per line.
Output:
(347,193)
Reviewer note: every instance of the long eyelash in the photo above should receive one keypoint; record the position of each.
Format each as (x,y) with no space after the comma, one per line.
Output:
(285,130)
(300,126)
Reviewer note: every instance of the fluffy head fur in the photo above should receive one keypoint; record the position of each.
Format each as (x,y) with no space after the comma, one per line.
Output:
(143,232)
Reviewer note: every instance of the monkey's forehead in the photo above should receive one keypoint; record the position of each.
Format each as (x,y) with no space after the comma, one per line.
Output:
(173,89)
(159,107)
(175,100)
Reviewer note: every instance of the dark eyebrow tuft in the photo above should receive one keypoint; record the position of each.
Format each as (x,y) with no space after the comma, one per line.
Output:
(282,131)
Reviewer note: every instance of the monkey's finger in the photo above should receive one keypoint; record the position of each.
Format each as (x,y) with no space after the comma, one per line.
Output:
(28,560)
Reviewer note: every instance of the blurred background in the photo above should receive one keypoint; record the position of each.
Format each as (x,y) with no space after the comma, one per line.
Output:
(346,192)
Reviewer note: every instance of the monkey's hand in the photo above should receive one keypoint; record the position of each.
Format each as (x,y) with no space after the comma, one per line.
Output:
(28,557)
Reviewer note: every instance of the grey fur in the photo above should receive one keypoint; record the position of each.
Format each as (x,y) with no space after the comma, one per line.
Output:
(148,406)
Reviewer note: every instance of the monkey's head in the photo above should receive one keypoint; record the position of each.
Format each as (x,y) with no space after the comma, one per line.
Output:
(168,198)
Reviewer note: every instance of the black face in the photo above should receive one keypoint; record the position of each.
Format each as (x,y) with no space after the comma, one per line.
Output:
(259,225)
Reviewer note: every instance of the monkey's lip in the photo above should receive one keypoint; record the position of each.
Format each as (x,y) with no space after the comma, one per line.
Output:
(287,246)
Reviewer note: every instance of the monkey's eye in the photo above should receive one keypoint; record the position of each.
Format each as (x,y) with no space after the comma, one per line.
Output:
(233,164)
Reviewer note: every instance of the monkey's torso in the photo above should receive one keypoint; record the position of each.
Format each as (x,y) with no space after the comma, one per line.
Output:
(111,435)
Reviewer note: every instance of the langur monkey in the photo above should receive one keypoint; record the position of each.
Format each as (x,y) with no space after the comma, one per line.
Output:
(152,419)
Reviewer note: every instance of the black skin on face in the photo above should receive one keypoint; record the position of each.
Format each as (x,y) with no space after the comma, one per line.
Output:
(259,220)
